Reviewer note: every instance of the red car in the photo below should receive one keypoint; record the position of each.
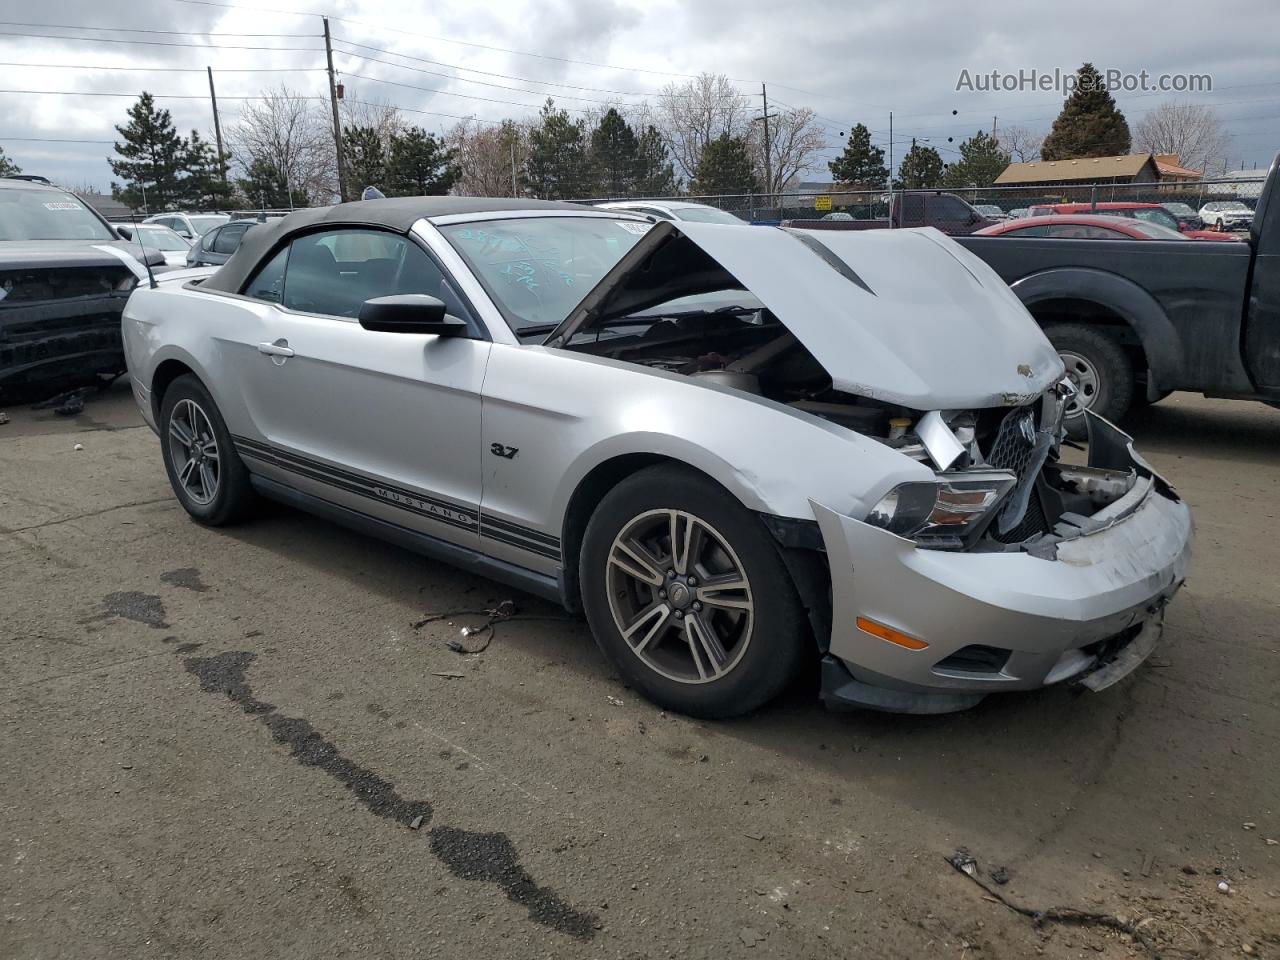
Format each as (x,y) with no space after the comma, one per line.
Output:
(1130,210)
(1065,226)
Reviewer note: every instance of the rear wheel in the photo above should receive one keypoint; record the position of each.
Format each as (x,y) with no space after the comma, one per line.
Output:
(207,475)
(1097,367)
(687,595)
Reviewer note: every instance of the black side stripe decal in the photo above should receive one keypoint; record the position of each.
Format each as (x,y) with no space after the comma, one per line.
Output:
(424,505)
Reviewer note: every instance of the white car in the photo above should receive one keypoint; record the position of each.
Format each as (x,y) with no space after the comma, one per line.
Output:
(682,210)
(155,236)
(736,449)
(189,226)
(1226,215)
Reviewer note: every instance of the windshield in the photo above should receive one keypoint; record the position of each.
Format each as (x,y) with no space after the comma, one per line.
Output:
(203,224)
(1180,209)
(706,215)
(1234,207)
(1156,231)
(989,210)
(537,269)
(1156,215)
(162,238)
(48,215)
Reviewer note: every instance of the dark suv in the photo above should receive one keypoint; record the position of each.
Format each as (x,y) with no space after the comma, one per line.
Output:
(216,247)
(64,278)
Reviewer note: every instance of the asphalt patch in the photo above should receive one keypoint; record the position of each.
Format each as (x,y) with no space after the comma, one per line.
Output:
(139,607)
(225,673)
(186,577)
(485,857)
(491,858)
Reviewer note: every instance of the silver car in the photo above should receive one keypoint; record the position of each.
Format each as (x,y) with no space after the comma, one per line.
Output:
(736,449)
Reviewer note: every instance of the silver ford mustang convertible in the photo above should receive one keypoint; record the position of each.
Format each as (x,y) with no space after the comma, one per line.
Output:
(737,449)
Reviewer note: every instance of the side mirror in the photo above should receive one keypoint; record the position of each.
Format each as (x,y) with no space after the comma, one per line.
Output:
(410,313)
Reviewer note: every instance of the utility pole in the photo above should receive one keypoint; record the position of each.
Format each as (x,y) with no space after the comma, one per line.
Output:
(217,128)
(515,189)
(993,127)
(768,158)
(890,169)
(337,124)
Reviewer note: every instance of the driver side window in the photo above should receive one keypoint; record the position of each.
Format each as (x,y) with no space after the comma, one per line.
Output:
(336,271)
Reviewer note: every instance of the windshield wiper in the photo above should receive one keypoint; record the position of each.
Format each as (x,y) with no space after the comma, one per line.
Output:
(731,310)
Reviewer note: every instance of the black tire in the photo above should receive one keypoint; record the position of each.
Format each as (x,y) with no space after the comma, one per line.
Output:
(775,636)
(233,496)
(1112,391)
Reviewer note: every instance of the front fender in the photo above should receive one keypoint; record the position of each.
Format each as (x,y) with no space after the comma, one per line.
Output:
(1159,337)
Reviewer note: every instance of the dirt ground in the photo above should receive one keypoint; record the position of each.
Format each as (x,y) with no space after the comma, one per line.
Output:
(234,743)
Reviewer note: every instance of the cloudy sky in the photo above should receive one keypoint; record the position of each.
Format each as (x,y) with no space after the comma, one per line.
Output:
(848,62)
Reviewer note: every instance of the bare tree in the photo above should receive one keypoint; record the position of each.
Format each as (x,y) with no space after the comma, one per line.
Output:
(491,159)
(378,115)
(1021,143)
(1190,130)
(794,140)
(691,115)
(291,132)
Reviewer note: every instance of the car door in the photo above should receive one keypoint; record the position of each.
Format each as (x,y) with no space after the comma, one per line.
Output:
(386,424)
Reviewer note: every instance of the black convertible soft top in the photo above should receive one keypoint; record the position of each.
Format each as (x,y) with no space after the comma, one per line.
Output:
(398,214)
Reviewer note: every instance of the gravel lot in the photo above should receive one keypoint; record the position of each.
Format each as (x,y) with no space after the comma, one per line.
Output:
(235,743)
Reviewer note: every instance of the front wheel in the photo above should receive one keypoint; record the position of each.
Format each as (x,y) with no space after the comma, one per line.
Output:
(1097,367)
(687,595)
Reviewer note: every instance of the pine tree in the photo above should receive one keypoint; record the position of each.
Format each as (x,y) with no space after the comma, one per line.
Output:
(7,167)
(981,161)
(365,156)
(655,174)
(614,153)
(266,187)
(420,165)
(921,167)
(152,158)
(725,167)
(861,163)
(558,167)
(203,187)
(1089,125)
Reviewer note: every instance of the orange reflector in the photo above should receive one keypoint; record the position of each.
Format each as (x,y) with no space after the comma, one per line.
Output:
(888,633)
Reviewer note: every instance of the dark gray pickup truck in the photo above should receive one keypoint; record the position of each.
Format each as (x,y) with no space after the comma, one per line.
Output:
(64,278)
(1137,319)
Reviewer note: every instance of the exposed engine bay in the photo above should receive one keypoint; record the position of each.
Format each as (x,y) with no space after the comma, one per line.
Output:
(1005,486)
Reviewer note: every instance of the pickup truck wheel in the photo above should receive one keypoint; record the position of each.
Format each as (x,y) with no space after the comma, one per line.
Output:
(687,595)
(1099,370)
(207,475)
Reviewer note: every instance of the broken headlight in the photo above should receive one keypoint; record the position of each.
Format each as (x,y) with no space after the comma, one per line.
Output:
(948,509)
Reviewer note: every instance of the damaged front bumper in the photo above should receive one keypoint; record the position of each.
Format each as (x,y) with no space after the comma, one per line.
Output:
(1089,600)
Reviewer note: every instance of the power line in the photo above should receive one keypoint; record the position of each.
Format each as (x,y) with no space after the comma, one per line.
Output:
(134,96)
(171,33)
(50,140)
(96,66)
(154,43)
(439,39)
(486,73)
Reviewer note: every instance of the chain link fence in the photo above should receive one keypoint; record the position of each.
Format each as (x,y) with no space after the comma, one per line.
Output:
(873,204)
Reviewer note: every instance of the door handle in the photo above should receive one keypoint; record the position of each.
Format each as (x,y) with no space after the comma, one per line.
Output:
(279,348)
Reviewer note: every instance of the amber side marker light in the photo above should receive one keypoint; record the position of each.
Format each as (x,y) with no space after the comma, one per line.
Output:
(890,634)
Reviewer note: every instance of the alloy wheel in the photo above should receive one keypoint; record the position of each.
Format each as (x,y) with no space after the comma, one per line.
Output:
(194,450)
(1084,376)
(679,596)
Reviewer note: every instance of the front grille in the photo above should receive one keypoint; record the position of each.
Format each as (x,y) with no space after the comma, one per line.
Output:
(1015,449)
(1015,442)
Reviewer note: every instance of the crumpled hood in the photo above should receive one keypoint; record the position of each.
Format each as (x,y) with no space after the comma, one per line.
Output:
(902,316)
